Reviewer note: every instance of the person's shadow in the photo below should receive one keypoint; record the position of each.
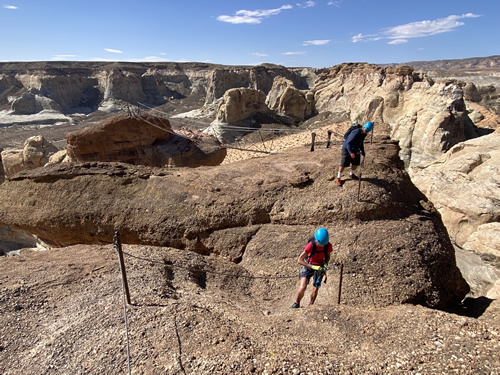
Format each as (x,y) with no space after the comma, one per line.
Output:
(474,307)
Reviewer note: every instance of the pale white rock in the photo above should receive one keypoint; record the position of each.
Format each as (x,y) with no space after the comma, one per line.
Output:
(36,152)
(285,99)
(12,161)
(464,186)
(426,117)
(59,157)
(485,240)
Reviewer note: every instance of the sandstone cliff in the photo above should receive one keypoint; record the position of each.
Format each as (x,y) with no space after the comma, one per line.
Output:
(426,117)
(70,88)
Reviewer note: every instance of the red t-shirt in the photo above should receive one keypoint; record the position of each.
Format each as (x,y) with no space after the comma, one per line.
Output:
(318,259)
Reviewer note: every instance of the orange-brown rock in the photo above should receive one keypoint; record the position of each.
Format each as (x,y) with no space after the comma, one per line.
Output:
(393,244)
(143,140)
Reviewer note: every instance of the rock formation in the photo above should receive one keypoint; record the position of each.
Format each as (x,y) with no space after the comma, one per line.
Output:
(142,140)
(286,100)
(238,104)
(463,185)
(426,117)
(28,104)
(258,78)
(36,153)
(392,243)
(79,87)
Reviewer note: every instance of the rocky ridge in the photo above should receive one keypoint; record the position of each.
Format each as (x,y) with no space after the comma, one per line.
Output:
(375,358)
(228,312)
(223,210)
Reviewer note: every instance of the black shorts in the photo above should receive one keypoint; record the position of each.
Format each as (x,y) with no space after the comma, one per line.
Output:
(346,160)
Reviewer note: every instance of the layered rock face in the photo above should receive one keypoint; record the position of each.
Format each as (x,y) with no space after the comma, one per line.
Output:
(464,186)
(393,244)
(257,78)
(426,118)
(143,140)
(479,73)
(78,87)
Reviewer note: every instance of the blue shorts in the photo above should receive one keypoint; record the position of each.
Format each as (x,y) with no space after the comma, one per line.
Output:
(306,272)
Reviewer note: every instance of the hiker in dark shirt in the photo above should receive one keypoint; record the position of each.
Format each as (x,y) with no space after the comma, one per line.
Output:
(314,261)
(352,148)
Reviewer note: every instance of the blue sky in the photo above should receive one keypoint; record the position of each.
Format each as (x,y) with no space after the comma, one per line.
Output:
(294,34)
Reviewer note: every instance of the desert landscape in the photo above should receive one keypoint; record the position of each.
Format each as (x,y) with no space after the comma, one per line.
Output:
(209,179)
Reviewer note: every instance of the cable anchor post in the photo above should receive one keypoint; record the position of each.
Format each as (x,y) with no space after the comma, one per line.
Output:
(313,137)
(118,246)
(340,282)
(329,139)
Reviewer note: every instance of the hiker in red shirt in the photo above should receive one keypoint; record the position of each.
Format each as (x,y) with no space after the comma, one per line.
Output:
(314,261)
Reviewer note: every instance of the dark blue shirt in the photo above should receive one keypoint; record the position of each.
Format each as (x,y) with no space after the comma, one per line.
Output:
(354,142)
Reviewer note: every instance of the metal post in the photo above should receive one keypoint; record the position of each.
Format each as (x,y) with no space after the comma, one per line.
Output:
(340,281)
(313,136)
(118,246)
(359,177)
(329,138)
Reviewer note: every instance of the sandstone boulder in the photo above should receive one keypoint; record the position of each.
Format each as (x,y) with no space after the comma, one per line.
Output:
(235,106)
(285,99)
(238,104)
(59,157)
(143,140)
(463,185)
(36,153)
(392,243)
(12,161)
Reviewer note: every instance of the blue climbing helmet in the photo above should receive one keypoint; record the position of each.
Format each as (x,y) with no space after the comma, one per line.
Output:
(368,126)
(321,236)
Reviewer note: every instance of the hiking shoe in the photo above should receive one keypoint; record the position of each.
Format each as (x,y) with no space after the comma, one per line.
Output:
(354,177)
(295,305)
(339,182)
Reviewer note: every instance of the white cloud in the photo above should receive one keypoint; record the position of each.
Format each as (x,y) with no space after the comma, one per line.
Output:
(293,53)
(417,29)
(307,4)
(10,7)
(252,16)
(113,50)
(398,41)
(335,3)
(153,58)
(63,57)
(260,54)
(368,37)
(316,42)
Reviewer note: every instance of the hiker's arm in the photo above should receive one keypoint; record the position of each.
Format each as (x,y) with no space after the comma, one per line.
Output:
(302,260)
